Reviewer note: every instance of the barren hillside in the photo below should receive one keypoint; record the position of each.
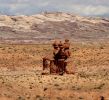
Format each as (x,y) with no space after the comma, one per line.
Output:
(47,26)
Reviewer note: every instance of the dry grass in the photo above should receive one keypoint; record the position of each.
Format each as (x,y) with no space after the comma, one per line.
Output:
(31,55)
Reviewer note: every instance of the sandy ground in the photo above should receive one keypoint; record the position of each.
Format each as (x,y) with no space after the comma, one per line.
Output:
(21,79)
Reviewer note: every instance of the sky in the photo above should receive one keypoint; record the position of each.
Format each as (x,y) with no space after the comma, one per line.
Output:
(31,7)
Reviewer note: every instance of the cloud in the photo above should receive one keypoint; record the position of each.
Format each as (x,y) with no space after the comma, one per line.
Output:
(95,10)
(90,10)
(28,7)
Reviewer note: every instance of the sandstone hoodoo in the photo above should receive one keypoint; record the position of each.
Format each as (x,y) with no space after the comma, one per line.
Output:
(58,61)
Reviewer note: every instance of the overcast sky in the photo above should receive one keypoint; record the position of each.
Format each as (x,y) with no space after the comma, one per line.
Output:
(30,7)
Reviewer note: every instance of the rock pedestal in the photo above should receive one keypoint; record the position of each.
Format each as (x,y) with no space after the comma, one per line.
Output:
(53,67)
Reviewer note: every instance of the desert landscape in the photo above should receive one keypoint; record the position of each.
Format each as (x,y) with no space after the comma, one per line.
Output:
(21,68)
(25,40)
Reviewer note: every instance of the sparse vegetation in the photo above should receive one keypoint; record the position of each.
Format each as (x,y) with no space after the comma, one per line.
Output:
(21,65)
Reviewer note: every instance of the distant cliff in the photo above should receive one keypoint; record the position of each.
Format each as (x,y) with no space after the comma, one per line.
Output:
(48,26)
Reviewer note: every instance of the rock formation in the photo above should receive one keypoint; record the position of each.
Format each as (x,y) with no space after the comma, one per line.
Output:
(48,26)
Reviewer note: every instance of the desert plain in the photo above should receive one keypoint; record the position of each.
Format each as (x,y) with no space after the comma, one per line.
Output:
(25,40)
(21,73)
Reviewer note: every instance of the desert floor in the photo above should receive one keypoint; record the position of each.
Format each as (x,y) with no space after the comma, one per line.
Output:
(21,68)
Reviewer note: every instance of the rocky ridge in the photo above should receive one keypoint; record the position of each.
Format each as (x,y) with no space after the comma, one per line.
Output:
(48,26)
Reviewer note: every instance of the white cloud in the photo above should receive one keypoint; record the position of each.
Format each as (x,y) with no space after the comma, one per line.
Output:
(96,10)
(90,10)
(82,7)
